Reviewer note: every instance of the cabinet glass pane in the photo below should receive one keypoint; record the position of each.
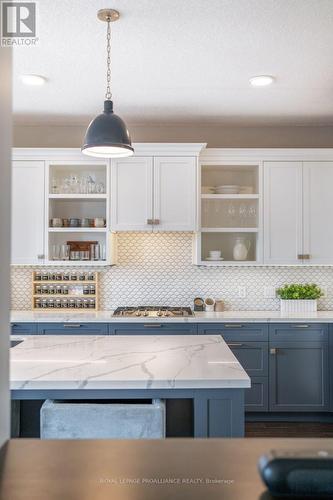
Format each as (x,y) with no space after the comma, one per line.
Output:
(226,242)
(229,213)
(229,179)
(77,179)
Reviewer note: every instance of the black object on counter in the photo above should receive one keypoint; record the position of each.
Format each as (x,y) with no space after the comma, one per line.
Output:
(199,304)
(298,474)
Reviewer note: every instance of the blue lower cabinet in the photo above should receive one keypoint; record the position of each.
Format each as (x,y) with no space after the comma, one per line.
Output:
(299,376)
(23,329)
(236,331)
(73,328)
(153,329)
(256,398)
(253,356)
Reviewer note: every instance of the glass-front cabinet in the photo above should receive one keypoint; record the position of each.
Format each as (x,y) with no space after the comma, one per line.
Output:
(229,211)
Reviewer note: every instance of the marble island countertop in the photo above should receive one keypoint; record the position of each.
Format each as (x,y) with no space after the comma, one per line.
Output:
(111,362)
(198,317)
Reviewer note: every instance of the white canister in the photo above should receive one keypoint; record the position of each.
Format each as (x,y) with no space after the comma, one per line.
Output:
(209,304)
(241,248)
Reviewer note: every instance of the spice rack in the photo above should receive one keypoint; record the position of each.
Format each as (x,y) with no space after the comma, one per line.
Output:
(65,291)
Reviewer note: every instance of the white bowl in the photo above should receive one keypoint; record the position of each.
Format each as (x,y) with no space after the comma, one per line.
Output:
(227,189)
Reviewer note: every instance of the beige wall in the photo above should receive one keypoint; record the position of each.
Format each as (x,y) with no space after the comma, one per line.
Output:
(5,142)
(214,135)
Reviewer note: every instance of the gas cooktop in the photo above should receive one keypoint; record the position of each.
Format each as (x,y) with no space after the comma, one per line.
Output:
(153,312)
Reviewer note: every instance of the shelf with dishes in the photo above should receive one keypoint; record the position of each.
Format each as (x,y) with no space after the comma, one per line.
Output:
(230,205)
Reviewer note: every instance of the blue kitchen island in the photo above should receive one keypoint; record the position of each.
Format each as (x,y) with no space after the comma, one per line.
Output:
(197,367)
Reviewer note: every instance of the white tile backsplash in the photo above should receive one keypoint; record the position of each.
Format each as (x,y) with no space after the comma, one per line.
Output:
(156,268)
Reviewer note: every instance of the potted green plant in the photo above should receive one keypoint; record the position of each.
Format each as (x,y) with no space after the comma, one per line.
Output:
(297,298)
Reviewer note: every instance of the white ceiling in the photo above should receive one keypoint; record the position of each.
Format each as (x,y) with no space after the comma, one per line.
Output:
(180,61)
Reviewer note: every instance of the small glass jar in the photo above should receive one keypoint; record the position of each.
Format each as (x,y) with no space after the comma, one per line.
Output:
(91,303)
(38,276)
(64,303)
(82,276)
(66,276)
(79,303)
(38,289)
(85,303)
(58,289)
(38,303)
(91,276)
(73,276)
(92,289)
(44,303)
(45,289)
(86,290)
(59,276)
(57,303)
(65,289)
(53,276)
(50,303)
(45,276)
(52,289)
(71,303)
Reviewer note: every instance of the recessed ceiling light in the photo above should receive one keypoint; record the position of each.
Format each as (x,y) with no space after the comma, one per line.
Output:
(33,79)
(261,80)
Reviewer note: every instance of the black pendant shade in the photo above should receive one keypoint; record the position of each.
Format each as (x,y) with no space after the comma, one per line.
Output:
(107,135)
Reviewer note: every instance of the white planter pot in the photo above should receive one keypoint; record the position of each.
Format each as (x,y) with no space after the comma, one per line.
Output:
(298,306)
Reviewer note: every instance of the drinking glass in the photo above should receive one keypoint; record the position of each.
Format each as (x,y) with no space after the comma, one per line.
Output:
(243,212)
(231,213)
(102,251)
(55,252)
(64,252)
(97,252)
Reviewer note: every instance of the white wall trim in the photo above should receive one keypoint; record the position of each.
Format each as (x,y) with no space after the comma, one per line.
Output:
(267,154)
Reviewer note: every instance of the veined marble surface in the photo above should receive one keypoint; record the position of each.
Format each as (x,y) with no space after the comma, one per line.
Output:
(125,362)
(198,317)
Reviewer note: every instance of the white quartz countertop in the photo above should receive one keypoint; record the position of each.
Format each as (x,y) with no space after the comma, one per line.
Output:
(198,317)
(125,362)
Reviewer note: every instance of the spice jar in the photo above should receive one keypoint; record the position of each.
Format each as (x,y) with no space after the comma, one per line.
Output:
(58,303)
(38,276)
(38,303)
(73,276)
(45,276)
(45,289)
(66,276)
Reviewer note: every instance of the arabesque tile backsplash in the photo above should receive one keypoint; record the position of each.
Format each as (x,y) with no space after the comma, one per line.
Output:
(156,268)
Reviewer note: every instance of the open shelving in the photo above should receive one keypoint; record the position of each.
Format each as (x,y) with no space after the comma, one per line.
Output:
(226,218)
(78,190)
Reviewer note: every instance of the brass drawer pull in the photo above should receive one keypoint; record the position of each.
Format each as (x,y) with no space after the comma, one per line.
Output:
(153,326)
(300,326)
(72,325)
(156,222)
(306,256)
(150,222)
(234,344)
(233,325)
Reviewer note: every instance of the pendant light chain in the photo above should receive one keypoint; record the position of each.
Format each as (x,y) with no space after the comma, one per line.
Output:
(108,94)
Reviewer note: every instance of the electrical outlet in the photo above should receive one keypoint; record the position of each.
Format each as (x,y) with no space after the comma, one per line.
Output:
(242,292)
(324,290)
(269,292)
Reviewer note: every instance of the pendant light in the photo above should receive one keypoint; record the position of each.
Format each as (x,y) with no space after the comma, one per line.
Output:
(107,135)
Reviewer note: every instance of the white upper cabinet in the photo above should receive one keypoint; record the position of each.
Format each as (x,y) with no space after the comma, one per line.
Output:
(27,239)
(153,193)
(131,194)
(175,194)
(282,212)
(317,222)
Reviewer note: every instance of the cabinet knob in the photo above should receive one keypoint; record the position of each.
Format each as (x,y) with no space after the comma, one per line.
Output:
(273,350)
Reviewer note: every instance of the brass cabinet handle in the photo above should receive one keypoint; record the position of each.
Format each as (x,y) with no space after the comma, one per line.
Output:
(300,256)
(306,256)
(156,222)
(153,326)
(150,222)
(40,256)
(273,350)
(233,325)
(234,344)
(72,325)
(302,325)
